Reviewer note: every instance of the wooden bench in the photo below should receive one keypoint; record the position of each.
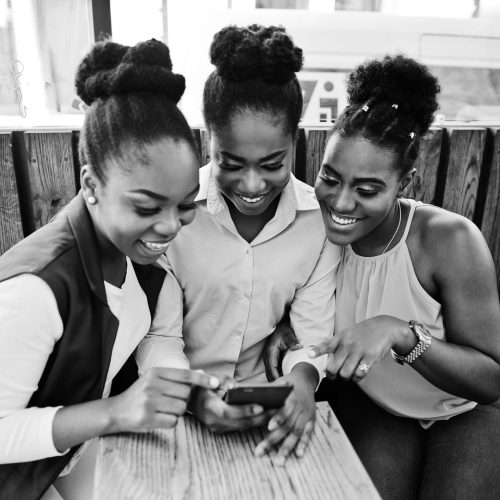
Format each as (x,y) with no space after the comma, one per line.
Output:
(458,169)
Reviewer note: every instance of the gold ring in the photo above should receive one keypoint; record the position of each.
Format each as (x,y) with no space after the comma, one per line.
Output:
(364,367)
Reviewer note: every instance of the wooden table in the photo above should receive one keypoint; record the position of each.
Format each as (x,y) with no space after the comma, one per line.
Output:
(191,463)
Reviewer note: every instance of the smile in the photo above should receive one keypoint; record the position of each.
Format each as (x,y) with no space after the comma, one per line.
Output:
(343,220)
(252,199)
(155,246)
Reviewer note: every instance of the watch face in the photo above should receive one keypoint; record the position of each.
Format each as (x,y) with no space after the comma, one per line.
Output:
(421,331)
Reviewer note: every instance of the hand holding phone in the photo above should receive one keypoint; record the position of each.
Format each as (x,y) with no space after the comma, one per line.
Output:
(269,396)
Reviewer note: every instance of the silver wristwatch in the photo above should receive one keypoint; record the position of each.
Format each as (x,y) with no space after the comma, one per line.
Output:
(424,341)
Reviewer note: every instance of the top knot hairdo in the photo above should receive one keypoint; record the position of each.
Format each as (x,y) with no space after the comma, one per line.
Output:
(392,102)
(256,70)
(132,96)
(255,51)
(113,69)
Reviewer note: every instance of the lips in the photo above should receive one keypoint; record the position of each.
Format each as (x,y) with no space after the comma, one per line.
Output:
(156,246)
(252,198)
(343,220)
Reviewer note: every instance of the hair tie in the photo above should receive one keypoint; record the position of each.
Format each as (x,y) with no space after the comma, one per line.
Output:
(365,108)
(395,106)
(412,135)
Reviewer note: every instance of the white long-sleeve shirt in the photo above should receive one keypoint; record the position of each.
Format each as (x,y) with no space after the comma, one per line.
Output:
(30,325)
(227,295)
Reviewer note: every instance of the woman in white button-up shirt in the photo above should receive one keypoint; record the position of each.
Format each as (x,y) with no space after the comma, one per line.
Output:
(257,247)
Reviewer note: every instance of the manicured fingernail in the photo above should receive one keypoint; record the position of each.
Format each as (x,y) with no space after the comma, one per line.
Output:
(257,409)
(260,450)
(299,452)
(214,382)
(280,460)
(273,424)
(312,353)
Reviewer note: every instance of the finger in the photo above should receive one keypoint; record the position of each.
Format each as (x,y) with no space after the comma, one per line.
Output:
(304,439)
(349,367)
(175,390)
(288,444)
(283,414)
(164,420)
(191,377)
(295,346)
(272,439)
(240,411)
(171,406)
(361,370)
(325,347)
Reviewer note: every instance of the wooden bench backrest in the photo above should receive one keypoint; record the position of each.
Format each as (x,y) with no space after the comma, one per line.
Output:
(458,169)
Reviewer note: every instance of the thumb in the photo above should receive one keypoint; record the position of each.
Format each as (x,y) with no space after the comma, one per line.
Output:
(324,347)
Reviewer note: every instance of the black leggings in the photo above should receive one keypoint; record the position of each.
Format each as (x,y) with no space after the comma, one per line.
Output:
(454,459)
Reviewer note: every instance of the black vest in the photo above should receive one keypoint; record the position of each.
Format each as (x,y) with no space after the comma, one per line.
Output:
(64,254)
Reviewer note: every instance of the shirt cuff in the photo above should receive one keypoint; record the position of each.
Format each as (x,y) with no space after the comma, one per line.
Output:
(293,358)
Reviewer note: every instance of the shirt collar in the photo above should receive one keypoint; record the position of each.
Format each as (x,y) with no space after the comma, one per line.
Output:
(296,196)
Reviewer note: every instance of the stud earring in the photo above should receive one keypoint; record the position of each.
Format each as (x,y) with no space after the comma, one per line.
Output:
(92,200)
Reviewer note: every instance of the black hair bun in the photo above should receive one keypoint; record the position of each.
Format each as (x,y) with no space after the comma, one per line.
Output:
(112,69)
(397,80)
(241,53)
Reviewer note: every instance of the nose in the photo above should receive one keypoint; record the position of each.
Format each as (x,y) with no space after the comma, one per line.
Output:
(169,225)
(252,182)
(343,201)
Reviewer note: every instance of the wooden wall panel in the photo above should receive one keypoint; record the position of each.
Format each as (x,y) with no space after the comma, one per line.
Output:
(464,169)
(490,226)
(424,183)
(51,173)
(316,143)
(11,230)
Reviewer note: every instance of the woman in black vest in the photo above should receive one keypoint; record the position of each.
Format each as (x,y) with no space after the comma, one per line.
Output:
(72,306)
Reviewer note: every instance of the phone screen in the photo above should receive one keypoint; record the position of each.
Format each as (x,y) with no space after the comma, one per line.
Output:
(269,396)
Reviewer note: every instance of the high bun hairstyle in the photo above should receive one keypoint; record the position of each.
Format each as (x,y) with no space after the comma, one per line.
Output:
(132,96)
(391,104)
(255,71)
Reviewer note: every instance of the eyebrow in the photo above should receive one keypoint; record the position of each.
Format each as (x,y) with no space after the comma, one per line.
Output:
(272,156)
(371,180)
(158,196)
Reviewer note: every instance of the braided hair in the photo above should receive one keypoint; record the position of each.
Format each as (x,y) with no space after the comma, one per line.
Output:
(255,71)
(132,95)
(391,104)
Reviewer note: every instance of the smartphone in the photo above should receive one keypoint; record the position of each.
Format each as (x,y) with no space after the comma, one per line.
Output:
(269,396)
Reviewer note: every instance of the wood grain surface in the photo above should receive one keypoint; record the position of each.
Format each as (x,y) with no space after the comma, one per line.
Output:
(189,462)
(11,230)
(316,143)
(51,173)
(490,226)
(424,183)
(464,170)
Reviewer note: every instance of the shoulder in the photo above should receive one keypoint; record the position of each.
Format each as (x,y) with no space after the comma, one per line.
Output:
(452,245)
(306,198)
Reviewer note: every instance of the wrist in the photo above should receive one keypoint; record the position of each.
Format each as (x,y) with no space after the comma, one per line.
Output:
(304,373)
(404,340)
(109,416)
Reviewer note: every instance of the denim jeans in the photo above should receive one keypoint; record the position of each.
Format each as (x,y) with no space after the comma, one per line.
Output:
(454,459)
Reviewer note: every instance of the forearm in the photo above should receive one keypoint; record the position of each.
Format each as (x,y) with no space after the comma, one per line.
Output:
(76,424)
(304,373)
(454,368)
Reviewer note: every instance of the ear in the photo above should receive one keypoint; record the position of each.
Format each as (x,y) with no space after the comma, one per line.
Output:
(405,183)
(88,181)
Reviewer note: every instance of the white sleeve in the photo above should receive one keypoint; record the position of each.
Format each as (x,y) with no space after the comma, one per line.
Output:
(31,325)
(312,311)
(163,345)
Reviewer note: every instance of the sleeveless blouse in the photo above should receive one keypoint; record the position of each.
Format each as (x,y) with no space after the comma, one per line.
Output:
(386,284)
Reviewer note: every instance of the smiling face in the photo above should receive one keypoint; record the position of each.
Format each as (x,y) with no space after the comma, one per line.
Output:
(357,188)
(145,200)
(252,159)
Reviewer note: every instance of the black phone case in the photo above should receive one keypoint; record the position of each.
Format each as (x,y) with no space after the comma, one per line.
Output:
(269,397)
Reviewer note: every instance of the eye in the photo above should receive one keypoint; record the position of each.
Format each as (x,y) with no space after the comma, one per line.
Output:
(329,179)
(188,206)
(146,212)
(367,192)
(229,166)
(273,166)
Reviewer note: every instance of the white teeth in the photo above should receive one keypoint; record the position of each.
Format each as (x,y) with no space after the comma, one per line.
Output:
(157,247)
(251,200)
(342,220)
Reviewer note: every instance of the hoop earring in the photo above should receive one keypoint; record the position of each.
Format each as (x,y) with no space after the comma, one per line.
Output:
(91,200)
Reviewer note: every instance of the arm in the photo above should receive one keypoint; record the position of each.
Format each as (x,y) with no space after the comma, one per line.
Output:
(31,325)
(463,281)
(312,318)
(164,345)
